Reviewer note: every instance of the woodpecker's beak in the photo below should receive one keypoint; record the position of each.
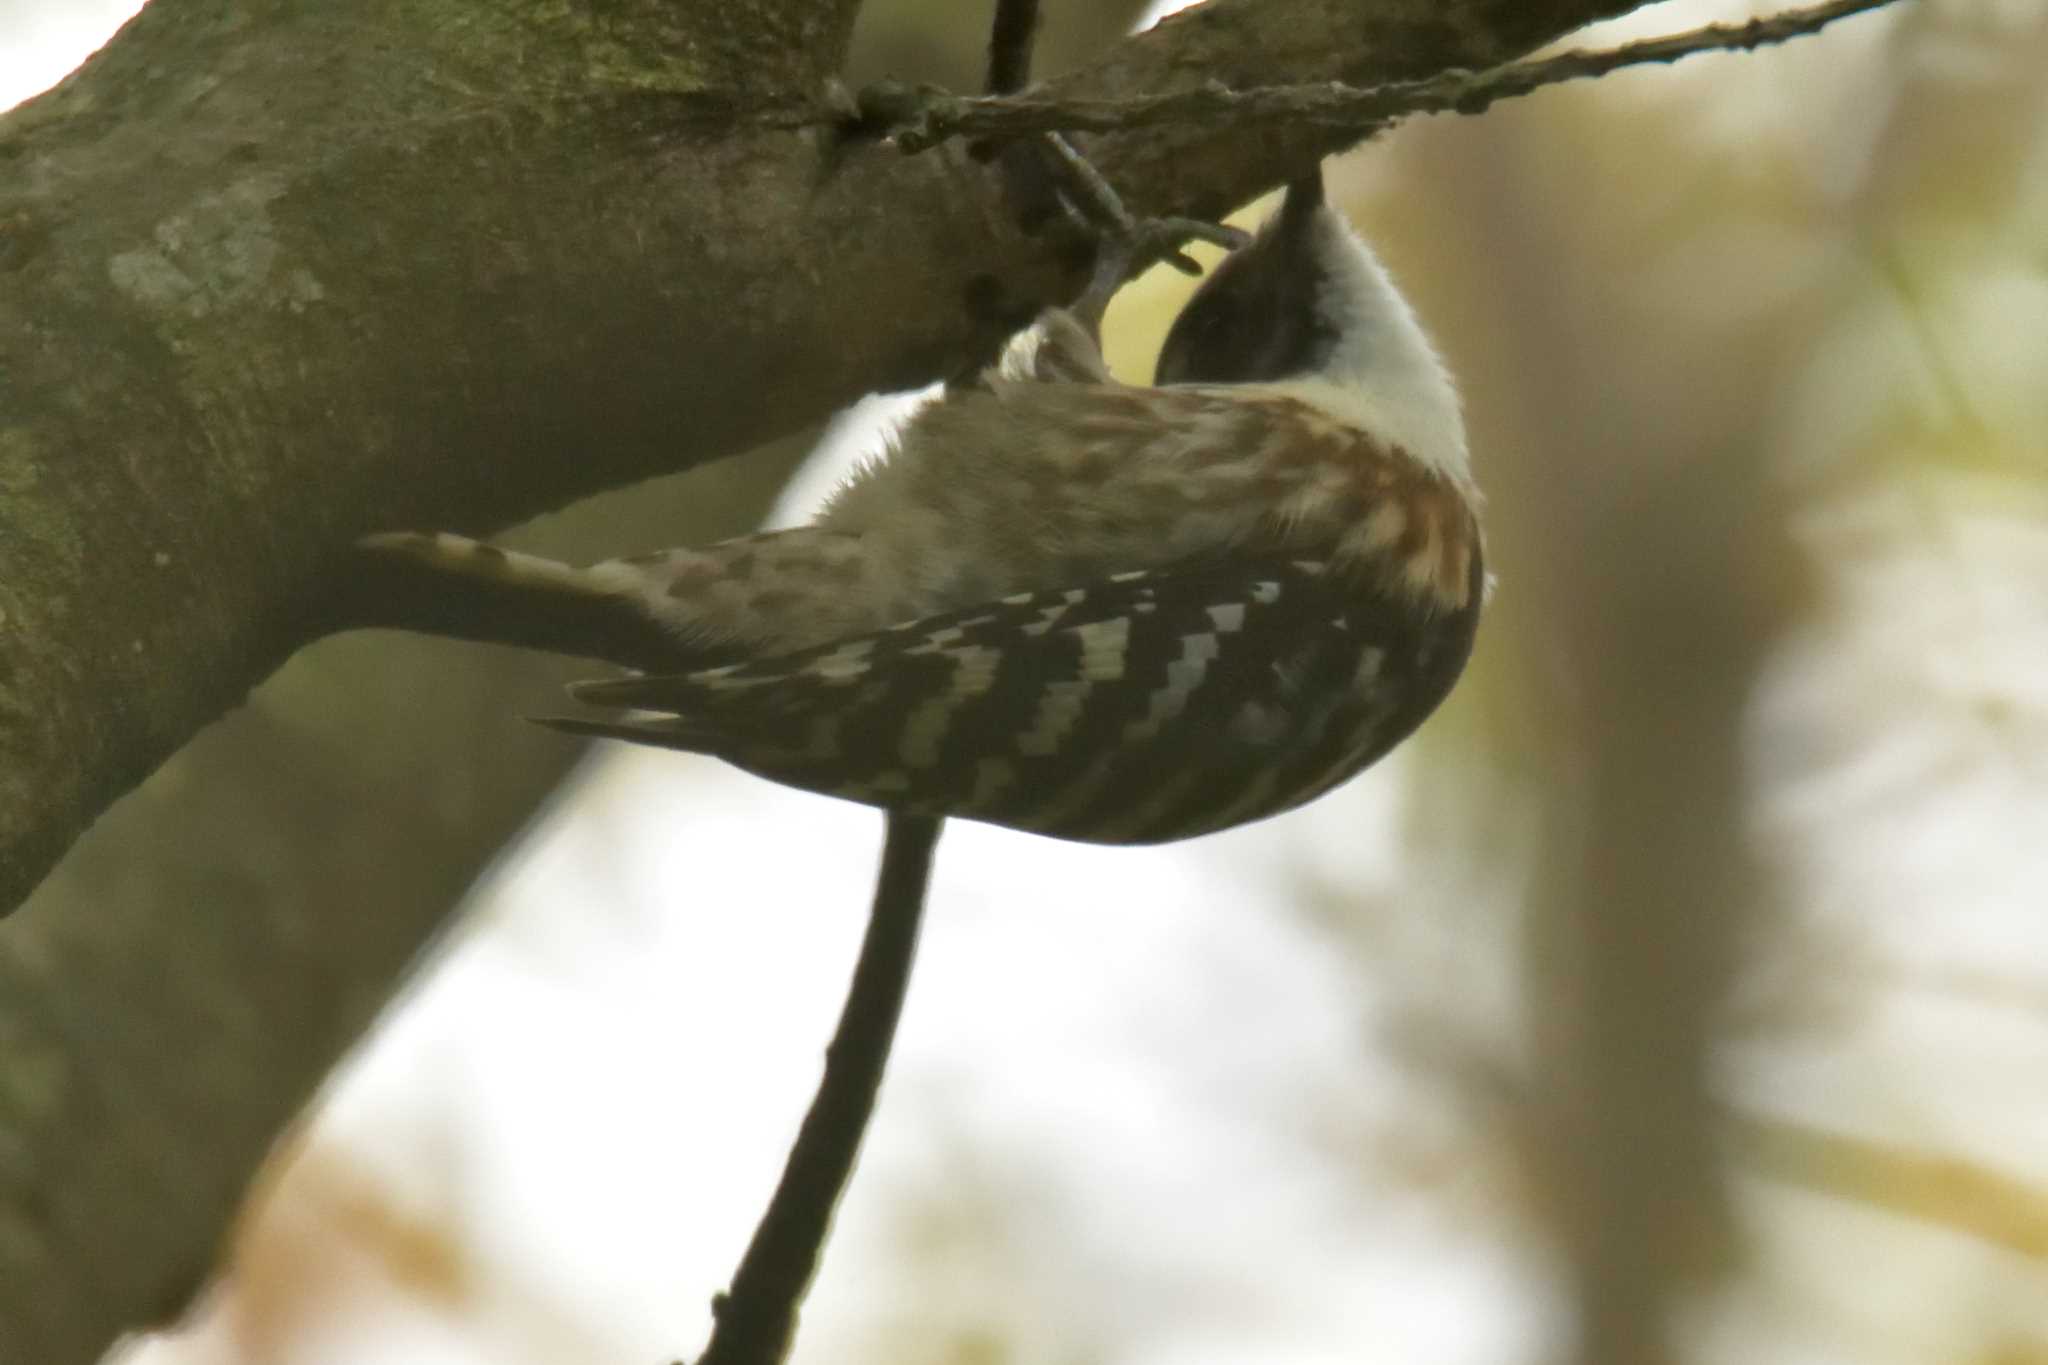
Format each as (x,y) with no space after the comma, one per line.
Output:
(1304,197)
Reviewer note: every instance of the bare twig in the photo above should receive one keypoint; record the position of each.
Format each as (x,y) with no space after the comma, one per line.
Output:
(757,1318)
(1125,244)
(1950,1191)
(1009,45)
(921,117)
(1137,240)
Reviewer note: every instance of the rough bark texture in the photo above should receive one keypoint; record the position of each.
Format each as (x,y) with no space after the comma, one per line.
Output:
(275,275)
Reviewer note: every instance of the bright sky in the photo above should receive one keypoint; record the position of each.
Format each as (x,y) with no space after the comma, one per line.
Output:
(40,40)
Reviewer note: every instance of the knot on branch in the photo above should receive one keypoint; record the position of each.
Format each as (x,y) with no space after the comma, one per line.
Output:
(915,117)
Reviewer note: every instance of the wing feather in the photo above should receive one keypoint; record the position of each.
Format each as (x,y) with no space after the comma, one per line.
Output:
(1144,706)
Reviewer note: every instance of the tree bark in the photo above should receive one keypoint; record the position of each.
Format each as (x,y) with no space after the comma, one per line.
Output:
(271,277)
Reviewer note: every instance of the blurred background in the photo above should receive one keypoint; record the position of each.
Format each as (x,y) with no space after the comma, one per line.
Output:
(1680,992)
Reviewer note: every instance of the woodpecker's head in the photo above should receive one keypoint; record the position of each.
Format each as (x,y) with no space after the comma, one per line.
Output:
(1307,310)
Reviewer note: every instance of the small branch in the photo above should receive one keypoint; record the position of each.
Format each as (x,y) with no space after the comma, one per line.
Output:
(1136,242)
(1009,45)
(757,1319)
(921,117)
(1949,1191)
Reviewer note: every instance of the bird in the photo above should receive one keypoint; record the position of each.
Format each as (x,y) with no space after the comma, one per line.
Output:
(1105,612)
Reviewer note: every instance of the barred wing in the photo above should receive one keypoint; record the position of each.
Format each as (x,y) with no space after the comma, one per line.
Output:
(1144,707)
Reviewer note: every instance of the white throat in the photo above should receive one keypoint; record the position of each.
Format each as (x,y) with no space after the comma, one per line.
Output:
(1384,375)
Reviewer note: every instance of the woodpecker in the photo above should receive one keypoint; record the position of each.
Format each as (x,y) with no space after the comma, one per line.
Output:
(1103,612)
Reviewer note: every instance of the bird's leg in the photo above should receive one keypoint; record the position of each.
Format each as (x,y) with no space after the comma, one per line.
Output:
(1124,244)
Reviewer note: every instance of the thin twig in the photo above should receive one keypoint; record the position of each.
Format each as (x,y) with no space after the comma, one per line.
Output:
(1102,210)
(921,117)
(756,1319)
(1009,45)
